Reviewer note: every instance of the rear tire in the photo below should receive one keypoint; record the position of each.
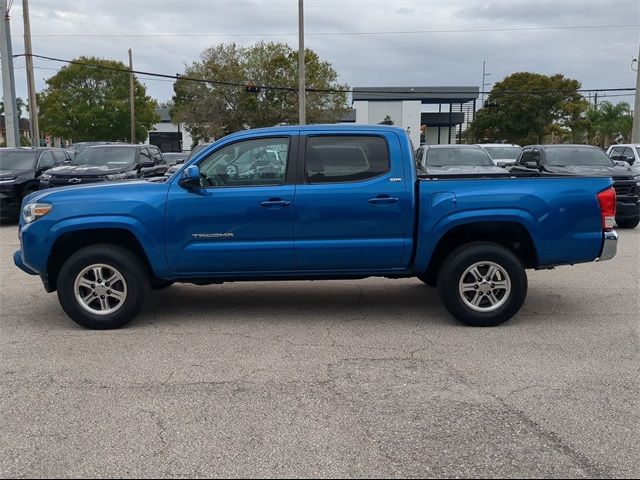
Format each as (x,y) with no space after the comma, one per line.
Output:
(628,222)
(482,284)
(102,286)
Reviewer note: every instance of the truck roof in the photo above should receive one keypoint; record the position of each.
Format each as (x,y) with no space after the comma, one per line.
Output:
(332,127)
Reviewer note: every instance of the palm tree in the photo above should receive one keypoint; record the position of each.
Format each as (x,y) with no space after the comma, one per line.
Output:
(608,121)
(20,105)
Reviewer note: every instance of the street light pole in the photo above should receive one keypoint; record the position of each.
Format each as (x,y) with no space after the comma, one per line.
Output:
(8,80)
(302,113)
(635,133)
(132,86)
(33,101)
(484,84)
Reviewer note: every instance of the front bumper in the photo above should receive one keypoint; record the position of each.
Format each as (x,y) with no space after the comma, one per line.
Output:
(627,208)
(9,203)
(609,246)
(17,259)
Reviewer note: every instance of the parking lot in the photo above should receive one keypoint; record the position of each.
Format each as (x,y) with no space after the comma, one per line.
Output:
(335,378)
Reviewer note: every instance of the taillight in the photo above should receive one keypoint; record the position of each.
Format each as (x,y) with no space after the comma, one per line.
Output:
(607,201)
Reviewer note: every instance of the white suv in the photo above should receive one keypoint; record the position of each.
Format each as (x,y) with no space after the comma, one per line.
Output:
(502,154)
(629,152)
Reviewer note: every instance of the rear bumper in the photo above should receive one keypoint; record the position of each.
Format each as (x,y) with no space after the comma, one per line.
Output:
(609,246)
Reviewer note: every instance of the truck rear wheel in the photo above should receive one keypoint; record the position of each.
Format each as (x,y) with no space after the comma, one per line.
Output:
(482,284)
(102,286)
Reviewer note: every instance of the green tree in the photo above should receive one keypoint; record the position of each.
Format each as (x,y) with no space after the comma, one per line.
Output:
(20,106)
(605,123)
(87,102)
(527,116)
(213,110)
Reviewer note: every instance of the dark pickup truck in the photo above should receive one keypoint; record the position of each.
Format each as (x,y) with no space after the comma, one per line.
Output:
(104,163)
(590,161)
(20,171)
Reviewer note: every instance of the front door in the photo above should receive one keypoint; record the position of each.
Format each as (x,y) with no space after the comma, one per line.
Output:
(351,203)
(240,220)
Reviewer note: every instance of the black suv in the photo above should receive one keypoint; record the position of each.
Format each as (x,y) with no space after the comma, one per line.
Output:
(588,160)
(106,163)
(20,171)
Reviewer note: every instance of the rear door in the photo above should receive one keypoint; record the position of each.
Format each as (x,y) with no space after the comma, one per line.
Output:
(350,202)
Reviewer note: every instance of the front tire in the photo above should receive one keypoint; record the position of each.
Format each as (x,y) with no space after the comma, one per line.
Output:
(102,286)
(482,284)
(628,222)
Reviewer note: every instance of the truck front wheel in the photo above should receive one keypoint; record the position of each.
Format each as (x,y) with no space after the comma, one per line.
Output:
(482,284)
(102,286)
(628,222)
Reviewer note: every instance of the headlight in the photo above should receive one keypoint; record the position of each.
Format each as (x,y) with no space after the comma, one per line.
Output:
(7,180)
(33,211)
(116,176)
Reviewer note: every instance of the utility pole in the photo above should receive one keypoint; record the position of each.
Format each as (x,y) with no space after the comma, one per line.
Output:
(302,112)
(132,85)
(8,80)
(484,84)
(635,133)
(33,102)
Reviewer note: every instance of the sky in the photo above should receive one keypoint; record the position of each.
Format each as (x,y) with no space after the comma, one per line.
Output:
(365,40)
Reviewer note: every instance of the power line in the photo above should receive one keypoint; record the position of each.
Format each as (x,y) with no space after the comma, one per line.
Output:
(323,34)
(592,52)
(310,90)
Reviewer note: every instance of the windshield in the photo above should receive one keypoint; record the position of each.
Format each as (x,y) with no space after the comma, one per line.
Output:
(106,156)
(17,160)
(503,153)
(564,157)
(458,157)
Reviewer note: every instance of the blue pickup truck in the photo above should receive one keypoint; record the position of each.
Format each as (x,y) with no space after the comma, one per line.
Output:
(312,202)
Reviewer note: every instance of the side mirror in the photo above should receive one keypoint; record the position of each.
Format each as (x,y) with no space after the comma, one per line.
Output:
(191,177)
(147,164)
(630,160)
(532,165)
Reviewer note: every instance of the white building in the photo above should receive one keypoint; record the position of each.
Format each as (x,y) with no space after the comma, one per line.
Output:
(168,136)
(432,115)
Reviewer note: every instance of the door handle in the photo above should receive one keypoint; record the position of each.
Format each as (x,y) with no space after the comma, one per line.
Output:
(275,202)
(383,200)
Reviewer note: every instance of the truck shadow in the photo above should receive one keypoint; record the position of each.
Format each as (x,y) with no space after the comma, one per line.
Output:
(265,301)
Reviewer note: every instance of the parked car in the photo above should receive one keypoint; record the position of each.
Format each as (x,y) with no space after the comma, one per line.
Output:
(173,158)
(20,171)
(455,160)
(348,204)
(198,148)
(502,154)
(107,163)
(629,153)
(80,146)
(588,160)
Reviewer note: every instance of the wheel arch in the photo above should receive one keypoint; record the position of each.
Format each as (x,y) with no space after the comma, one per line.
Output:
(508,233)
(70,242)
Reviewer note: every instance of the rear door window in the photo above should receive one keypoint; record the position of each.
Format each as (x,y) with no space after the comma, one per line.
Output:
(157,156)
(345,158)
(59,156)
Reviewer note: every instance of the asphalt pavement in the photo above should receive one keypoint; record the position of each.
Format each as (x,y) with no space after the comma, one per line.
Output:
(367,378)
